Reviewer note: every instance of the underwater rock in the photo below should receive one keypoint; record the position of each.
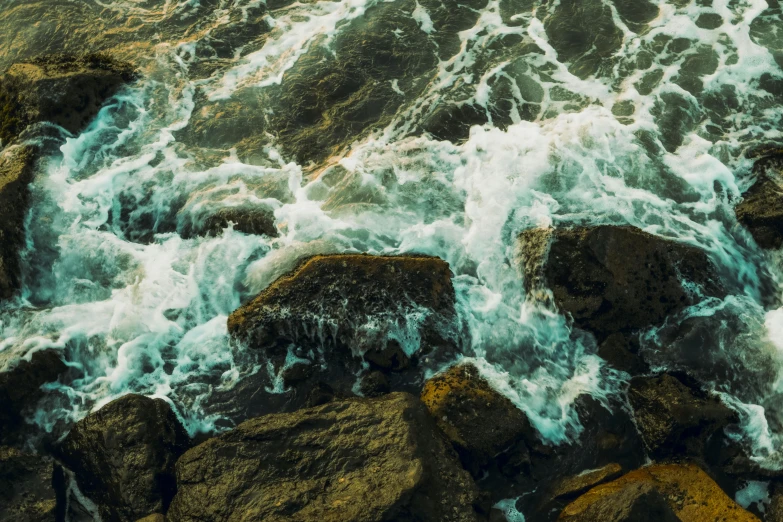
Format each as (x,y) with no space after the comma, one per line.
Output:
(615,278)
(123,456)
(356,460)
(761,209)
(662,492)
(476,419)
(65,90)
(26,491)
(675,417)
(16,173)
(20,389)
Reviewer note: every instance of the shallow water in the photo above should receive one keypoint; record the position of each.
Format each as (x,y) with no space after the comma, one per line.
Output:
(585,112)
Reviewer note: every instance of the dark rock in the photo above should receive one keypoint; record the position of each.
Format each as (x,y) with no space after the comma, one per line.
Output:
(320,394)
(575,485)
(375,384)
(157,517)
(622,354)
(16,173)
(20,390)
(664,492)
(761,209)
(65,90)
(257,219)
(26,492)
(774,511)
(123,456)
(675,417)
(615,278)
(476,419)
(296,373)
(357,460)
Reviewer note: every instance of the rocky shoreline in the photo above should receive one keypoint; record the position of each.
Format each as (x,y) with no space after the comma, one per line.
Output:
(366,431)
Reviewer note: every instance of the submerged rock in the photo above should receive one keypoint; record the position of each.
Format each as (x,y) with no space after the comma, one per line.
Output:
(674,416)
(65,90)
(663,492)
(26,490)
(123,456)
(16,173)
(761,209)
(476,419)
(20,389)
(615,278)
(357,460)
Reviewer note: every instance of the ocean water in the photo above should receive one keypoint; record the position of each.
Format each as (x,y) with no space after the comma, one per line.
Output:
(575,112)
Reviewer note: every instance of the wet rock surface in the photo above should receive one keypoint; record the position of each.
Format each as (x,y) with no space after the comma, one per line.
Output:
(761,208)
(16,172)
(479,421)
(356,460)
(123,456)
(667,492)
(674,416)
(617,278)
(249,219)
(26,487)
(20,390)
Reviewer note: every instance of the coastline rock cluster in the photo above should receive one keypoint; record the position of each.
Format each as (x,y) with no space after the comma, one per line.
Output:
(394,443)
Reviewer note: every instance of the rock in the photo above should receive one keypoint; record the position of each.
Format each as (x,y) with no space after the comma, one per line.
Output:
(65,90)
(774,511)
(157,517)
(573,486)
(675,417)
(256,219)
(123,456)
(375,384)
(16,173)
(476,419)
(26,491)
(615,278)
(356,460)
(336,311)
(20,389)
(761,209)
(622,354)
(687,491)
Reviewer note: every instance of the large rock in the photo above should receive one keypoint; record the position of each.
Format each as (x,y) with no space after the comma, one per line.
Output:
(65,90)
(357,460)
(615,278)
(664,492)
(26,491)
(20,390)
(16,173)
(480,422)
(335,313)
(761,209)
(674,416)
(123,456)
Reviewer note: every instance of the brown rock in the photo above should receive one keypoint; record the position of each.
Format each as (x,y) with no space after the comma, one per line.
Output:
(675,417)
(615,278)
(761,209)
(356,460)
(688,493)
(572,487)
(479,421)
(16,172)
(26,492)
(123,456)
(157,517)
(256,219)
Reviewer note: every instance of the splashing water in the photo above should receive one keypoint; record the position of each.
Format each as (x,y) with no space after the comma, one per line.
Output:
(639,117)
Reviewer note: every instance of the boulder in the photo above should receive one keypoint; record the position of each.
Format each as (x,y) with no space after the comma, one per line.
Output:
(123,456)
(255,219)
(761,208)
(337,313)
(16,172)
(26,491)
(65,90)
(615,278)
(674,416)
(20,389)
(575,485)
(661,492)
(356,460)
(478,421)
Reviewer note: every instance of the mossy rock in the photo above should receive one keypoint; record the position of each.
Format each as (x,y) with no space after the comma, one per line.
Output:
(687,492)
(26,492)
